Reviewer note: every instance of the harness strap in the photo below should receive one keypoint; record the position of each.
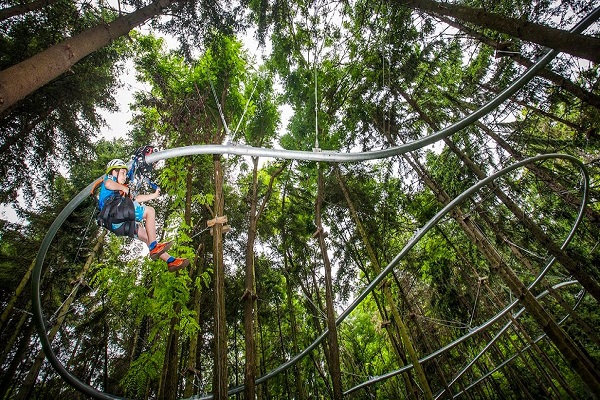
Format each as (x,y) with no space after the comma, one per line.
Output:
(118,210)
(96,184)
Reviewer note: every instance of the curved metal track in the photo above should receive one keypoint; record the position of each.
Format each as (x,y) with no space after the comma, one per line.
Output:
(413,241)
(322,156)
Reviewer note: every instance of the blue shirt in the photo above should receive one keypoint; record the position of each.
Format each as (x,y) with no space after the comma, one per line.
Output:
(105,193)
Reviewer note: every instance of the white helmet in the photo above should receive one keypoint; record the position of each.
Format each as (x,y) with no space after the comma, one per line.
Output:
(115,164)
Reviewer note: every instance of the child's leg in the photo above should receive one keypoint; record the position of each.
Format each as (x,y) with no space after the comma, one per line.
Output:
(143,236)
(150,218)
(147,234)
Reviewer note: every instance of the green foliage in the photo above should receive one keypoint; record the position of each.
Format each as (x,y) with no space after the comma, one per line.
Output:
(143,371)
(368,351)
(449,171)
(140,291)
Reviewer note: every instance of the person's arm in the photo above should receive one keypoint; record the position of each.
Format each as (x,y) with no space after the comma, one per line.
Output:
(112,185)
(140,198)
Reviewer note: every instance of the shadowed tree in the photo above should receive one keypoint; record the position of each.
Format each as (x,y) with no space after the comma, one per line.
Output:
(579,45)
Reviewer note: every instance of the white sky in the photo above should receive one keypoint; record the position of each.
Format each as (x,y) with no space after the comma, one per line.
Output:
(118,122)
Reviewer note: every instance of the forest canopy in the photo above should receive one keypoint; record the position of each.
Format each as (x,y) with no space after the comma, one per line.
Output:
(306,278)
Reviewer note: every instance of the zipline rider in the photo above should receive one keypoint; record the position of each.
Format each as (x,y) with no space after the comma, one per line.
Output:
(123,216)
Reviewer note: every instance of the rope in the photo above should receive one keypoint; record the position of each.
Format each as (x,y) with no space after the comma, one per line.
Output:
(531,253)
(443,322)
(55,315)
(316,108)
(245,107)
(316,85)
(227,132)
(22,311)
(217,294)
(475,304)
(84,235)
(203,230)
(322,316)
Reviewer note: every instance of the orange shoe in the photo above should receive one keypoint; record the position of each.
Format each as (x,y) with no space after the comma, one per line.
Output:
(178,264)
(159,249)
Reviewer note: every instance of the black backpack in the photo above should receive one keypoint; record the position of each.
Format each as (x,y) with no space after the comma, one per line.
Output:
(118,209)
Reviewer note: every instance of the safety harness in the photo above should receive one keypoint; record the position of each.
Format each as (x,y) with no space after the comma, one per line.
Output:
(118,213)
(118,210)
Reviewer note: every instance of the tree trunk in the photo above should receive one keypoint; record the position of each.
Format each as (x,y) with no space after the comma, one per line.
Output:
(21,79)
(545,175)
(334,350)
(192,371)
(496,351)
(536,110)
(566,260)
(15,334)
(170,373)
(13,11)
(196,269)
(262,392)
(283,347)
(23,345)
(583,46)
(540,172)
(105,343)
(315,306)
(220,376)
(13,300)
(547,362)
(249,297)
(573,355)
(546,73)
(297,368)
(393,333)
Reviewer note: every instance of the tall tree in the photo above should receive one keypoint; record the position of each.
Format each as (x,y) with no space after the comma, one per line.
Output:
(21,79)
(504,49)
(177,88)
(259,130)
(20,9)
(334,347)
(375,75)
(583,46)
(29,382)
(53,126)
